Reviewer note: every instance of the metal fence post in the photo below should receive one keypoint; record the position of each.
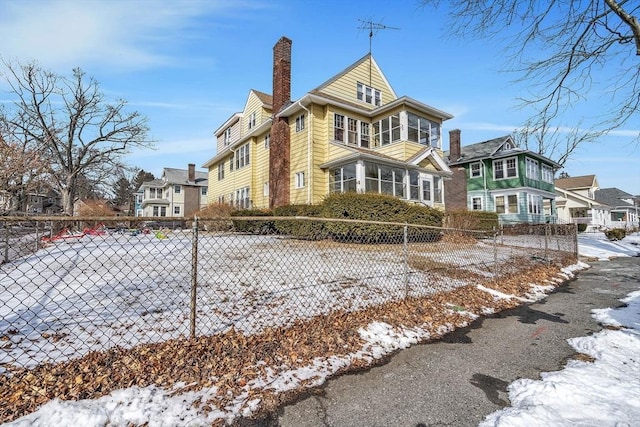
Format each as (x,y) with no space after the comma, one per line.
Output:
(194,276)
(575,241)
(37,236)
(6,241)
(546,241)
(495,251)
(406,262)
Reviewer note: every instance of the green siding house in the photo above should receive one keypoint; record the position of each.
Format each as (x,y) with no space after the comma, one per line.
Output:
(498,176)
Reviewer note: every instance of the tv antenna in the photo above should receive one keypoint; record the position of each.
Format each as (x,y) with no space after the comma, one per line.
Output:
(373,26)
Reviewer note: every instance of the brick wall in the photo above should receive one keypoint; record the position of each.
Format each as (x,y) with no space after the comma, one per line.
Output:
(280,148)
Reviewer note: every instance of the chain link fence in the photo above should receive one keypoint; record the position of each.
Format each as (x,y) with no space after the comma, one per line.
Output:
(73,286)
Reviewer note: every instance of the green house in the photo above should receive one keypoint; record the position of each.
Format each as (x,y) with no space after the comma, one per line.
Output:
(498,176)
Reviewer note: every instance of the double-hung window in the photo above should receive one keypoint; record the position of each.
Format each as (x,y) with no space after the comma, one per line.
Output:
(299,179)
(338,127)
(476,203)
(300,123)
(547,174)
(252,120)
(242,156)
(532,169)
(505,168)
(221,171)
(476,170)
(507,204)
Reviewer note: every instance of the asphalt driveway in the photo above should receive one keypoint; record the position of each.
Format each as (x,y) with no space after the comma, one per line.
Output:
(462,378)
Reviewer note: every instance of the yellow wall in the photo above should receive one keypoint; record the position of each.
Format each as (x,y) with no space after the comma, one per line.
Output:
(345,86)
(260,167)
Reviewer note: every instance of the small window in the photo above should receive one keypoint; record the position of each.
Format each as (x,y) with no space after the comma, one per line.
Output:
(177,189)
(176,210)
(203,191)
(338,127)
(221,171)
(252,120)
(476,170)
(300,123)
(227,136)
(476,203)
(299,179)
(265,189)
(267,141)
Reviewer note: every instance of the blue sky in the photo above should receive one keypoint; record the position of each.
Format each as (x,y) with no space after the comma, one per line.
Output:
(189,65)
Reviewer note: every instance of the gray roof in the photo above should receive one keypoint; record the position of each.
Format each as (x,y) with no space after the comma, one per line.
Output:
(489,149)
(611,197)
(180,176)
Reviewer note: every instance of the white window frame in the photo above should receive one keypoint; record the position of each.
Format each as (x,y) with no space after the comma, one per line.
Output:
(479,170)
(176,210)
(221,171)
(532,169)
(338,127)
(177,189)
(506,197)
(547,173)
(265,189)
(227,136)
(242,198)
(504,164)
(534,204)
(242,156)
(252,120)
(204,190)
(267,141)
(438,190)
(300,123)
(479,206)
(368,94)
(300,180)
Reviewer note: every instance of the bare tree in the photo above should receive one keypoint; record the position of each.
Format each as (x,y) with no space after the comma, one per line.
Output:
(565,52)
(80,133)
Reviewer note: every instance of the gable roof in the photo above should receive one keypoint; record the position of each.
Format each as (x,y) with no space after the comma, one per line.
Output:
(492,148)
(265,98)
(612,196)
(374,65)
(577,182)
(181,176)
(367,154)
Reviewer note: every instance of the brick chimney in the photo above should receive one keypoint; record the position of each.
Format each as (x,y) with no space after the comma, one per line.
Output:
(280,148)
(454,145)
(192,172)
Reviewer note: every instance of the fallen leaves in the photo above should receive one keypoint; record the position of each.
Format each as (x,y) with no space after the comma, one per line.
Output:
(231,361)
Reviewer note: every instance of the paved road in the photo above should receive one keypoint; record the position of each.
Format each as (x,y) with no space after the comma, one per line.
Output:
(462,378)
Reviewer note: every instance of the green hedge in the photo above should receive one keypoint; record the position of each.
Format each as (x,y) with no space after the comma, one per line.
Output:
(376,207)
(253,226)
(300,228)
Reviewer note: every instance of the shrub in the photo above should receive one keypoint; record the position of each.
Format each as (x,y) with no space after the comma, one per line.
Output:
(464,219)
(252,226)
(215,217)
(375,207)
(615,234)
(305,229)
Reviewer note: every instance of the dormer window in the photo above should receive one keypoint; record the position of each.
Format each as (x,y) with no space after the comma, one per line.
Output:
(368,94)
(252,120)
(227,136)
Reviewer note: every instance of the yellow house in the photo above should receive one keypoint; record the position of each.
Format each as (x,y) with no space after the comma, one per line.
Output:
(351,133)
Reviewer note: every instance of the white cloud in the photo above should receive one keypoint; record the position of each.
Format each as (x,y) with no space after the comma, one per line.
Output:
(129,34)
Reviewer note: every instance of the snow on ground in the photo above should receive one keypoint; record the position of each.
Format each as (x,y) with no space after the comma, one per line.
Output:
(583,393)
(101,291)
(596,245)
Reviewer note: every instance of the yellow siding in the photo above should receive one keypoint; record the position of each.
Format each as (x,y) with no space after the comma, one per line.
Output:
(367,73)
(260,165)
(253,105)
(299,161)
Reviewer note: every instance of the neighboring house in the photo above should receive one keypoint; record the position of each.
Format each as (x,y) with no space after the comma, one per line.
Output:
(351,133)
(178,193)
(624,208)
(137,199)
(576,203)
(43,202)
(498,176)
